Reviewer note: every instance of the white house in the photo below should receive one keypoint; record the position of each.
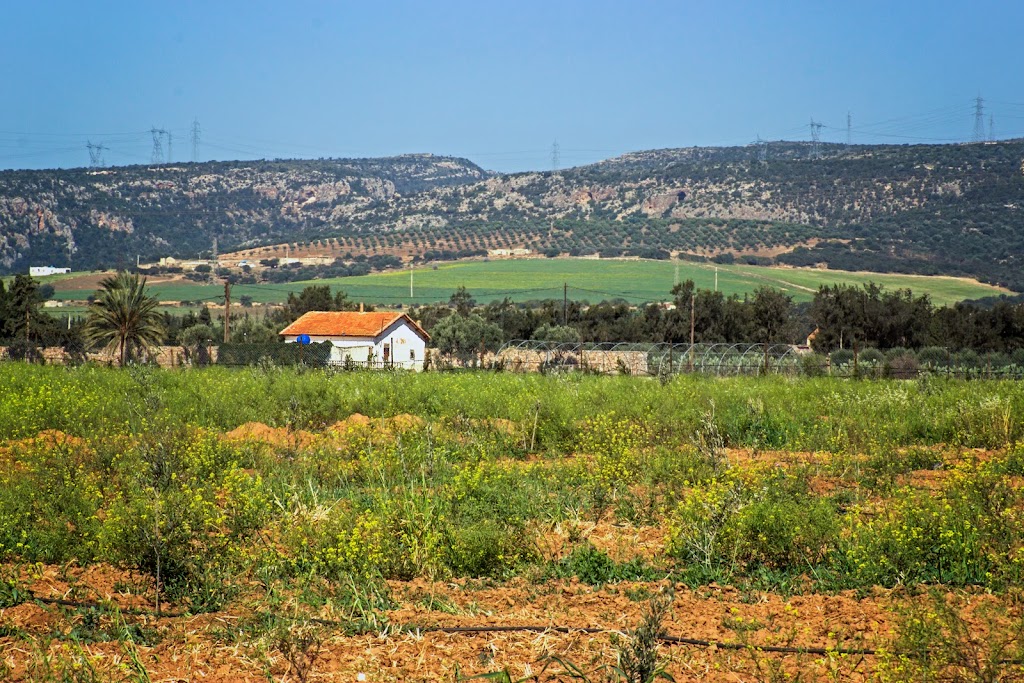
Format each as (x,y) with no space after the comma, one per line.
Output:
(42,271)
(367,339)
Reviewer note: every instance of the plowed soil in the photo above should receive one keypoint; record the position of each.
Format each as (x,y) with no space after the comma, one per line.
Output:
(201,648)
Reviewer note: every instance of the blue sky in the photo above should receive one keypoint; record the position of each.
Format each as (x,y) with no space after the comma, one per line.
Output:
(496,82)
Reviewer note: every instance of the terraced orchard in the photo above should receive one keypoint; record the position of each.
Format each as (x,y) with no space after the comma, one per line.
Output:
(271,524)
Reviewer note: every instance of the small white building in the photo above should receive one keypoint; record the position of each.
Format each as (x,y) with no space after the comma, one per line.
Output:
(43,271)
(366,339)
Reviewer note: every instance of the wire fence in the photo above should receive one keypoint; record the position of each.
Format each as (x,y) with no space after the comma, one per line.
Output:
(626,358)
(611,358)
(664,360)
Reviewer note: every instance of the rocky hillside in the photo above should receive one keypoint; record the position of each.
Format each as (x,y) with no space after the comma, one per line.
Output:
(956,209)
(91,217)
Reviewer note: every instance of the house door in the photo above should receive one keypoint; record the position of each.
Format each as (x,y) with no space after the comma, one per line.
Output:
(387,353)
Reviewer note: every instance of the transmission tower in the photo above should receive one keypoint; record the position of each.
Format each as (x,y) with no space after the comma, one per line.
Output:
(170,156)
(991,129)
(95,154)
(195,140)
(849,129)
(762,150)
(816,139)
(979,119)
(554,155)
(158,145)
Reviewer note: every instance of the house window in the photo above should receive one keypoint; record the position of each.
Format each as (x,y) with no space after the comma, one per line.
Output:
(412,354)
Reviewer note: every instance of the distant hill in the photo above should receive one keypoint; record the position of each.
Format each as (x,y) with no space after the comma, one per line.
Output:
(951,209)
(85,218)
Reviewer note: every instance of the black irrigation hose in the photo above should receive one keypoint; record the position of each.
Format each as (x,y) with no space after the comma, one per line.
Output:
(135,611)
(667,639)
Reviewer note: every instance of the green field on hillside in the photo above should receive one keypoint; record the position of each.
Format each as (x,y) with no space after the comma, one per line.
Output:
(592,280)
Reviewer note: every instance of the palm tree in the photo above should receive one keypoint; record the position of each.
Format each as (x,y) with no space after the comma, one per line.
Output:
(123,316)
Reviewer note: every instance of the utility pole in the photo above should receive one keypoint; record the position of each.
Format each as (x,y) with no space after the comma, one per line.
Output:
(227,311)
(716,278)
(693,305)
(565,303)
(554,155)
(411,268)
(693,302)
(849,129)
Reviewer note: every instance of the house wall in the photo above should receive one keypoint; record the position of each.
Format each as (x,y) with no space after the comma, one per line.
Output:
(405,348)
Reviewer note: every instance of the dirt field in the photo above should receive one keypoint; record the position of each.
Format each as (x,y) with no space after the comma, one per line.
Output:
(206,647)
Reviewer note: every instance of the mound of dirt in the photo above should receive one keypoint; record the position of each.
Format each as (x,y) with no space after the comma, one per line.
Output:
(273,436)
(353,421)
(50,439)
(403,422)
(393,425)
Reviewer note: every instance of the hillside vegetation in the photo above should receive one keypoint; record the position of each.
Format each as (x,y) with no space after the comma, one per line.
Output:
(950,209)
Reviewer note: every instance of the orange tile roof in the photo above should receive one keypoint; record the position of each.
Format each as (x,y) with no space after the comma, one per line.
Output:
(347,324)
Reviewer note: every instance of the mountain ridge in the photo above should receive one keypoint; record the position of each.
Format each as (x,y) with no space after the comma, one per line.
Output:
(951,209)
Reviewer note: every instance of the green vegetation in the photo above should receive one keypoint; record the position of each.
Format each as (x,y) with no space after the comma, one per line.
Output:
(636,281)
(124,317)
(261,492)
(643,451)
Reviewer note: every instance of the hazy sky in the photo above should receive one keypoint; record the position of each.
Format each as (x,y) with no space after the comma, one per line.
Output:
(497,82)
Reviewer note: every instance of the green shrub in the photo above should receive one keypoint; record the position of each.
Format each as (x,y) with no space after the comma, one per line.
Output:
(751,520)
(485,548)
(594,567)
(814,364)
(871,356)
(969,534)
(934,357)
(50,495)
(841,357)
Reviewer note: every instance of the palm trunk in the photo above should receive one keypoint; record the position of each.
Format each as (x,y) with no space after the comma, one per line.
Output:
(122,351)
